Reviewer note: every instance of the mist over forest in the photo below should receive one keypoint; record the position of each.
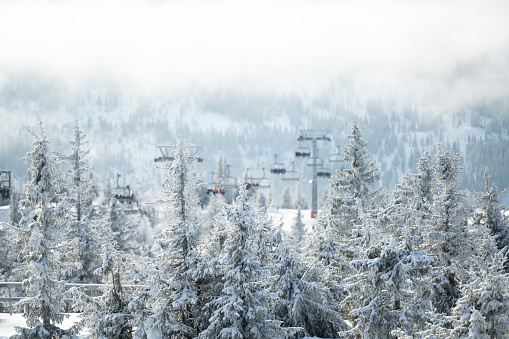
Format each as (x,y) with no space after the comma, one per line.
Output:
(415,73)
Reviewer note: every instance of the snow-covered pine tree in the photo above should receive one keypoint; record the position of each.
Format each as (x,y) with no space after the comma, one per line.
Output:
(302,303)
(298,230)
(260,200)
(213,208)
(242,310)
(175,292)
(482,311)
(410,209)
(43,222)
(83,244)
(286,198)
(490,213)
(382,295)
(117,227)
(14,213)
(300,199)
(446,237)
(107,315)
(353,187)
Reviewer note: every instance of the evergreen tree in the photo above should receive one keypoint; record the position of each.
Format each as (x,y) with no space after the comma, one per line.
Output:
(286,198)
(353,187)
(302,303)
(482,311)
(83,245)
(242,310)
(446,238)
(298,230)
(300,199)
(491,213)
(175,291)
(107,315)
(117,227)
(43,222)
(381,296)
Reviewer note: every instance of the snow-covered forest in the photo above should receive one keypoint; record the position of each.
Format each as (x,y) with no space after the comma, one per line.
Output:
(254,169)
(427,261)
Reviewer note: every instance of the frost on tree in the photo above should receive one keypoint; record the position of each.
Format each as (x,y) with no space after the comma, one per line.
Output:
(107,315)
(83,248)
(491,213)
(446,237)
(353,187)
(286,198)
(175,292)
(298,230)
(410,209)
(300,199)
(43,222)
(300,302)
(483,309)
(242,310)
(382,294)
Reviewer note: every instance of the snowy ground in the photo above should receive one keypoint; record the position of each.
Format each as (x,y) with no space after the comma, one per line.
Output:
(8,322)
(4,213)
(288,218)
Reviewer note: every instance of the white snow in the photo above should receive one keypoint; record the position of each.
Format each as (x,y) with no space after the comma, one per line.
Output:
(4,213)
(8,322)
(288,218)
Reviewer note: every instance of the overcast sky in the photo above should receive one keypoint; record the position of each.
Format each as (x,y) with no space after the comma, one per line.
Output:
(287,42)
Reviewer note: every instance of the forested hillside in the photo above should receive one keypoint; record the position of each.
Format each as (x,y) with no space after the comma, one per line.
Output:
(247,125)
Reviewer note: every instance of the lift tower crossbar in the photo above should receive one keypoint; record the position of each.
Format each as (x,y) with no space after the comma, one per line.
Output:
(314,136)
(166,153)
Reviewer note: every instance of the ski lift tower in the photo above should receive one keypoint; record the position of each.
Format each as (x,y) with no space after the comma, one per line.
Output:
(314,136)
(167,155)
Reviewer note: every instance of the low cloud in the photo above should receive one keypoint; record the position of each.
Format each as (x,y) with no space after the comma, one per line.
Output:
(280,43)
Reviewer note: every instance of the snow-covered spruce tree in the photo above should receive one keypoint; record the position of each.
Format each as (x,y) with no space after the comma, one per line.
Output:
(174,284)
(14,213)
(242,310)
(107,315)
(353,187)
(84,247)
(446,237)
(259,200)
(43,222)
(382,295)
(491,213)
(286,198)
(213,208)
(483,309)
(302,303)
(300,200)
(410,209)
(117,227)
(298,230)
(210,275)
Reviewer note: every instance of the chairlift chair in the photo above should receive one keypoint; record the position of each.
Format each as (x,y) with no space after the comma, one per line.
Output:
(302,152)
(257,182)
(336,157)
(292,175)
(323,173)
(126,198)
(277,168)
